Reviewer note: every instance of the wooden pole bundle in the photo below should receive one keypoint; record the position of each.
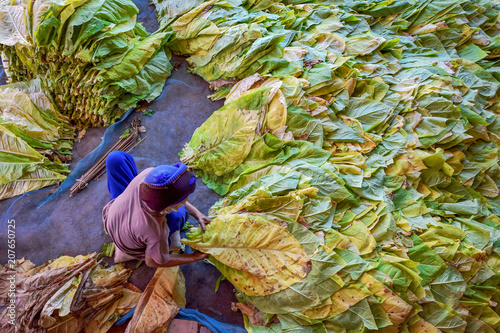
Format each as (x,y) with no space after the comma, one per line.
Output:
(124,144)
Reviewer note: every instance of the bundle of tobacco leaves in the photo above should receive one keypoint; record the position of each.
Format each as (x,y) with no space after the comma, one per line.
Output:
(35,140)
(69,294)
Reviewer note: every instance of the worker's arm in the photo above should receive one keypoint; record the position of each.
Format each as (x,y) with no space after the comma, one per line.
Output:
(194,212)
(177,259)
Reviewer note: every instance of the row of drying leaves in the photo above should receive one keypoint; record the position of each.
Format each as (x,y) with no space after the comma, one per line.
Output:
(357,151)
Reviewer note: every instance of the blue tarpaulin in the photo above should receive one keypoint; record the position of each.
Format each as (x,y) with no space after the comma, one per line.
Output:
(210,323)
(195,315)
(88,161)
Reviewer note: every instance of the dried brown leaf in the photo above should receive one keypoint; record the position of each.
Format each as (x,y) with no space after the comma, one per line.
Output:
(248,309)
(160,302)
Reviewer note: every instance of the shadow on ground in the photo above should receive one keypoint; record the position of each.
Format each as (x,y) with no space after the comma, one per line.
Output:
(72,226)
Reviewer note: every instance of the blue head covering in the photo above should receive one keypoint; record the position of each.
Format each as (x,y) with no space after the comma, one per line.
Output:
(164,175)
(167,185)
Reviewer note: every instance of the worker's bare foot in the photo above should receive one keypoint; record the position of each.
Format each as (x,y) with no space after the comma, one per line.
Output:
(121,256)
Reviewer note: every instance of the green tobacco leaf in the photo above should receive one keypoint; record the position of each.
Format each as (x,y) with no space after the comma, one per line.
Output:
(305,237)
(31,181)
(355,265)
(59,302)
(443,318)
(396,308)
(102,62)
(12,28)
(217,284)
(326,185)
(264,156)
(18,108)
(108,250)
(430,264)
(225,139)
(361,237)
(275,183)
(148,83)
(170,10)
(318,213)
(372,188)
(92,17)
(304,126)
(285,207)
(386,170)
(18,158)
(448,287)
(369,113)
(356,317)
(135,59)
(403,275)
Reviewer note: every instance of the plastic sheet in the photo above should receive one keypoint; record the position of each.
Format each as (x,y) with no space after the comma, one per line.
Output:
(88,161)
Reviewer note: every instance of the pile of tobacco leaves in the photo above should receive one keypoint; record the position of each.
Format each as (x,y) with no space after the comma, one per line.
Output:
(68,294)
(35,140)
(357,150)
(92,57)
(81,295)
(357,153)
(71,65)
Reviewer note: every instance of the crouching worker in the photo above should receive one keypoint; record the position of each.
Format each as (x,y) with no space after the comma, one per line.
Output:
(147,208)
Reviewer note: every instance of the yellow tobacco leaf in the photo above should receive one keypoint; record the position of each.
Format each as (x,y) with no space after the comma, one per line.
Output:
(396,308)
(266,258)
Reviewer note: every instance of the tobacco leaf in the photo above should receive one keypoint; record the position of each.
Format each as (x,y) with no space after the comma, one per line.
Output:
(259,256)
(160,302)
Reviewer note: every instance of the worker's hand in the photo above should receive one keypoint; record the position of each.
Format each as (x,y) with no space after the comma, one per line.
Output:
(203,220)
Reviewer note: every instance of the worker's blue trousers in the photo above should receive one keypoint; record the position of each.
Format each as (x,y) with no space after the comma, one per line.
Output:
(121,169)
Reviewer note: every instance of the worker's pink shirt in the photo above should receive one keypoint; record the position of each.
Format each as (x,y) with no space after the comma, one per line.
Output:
(134,227)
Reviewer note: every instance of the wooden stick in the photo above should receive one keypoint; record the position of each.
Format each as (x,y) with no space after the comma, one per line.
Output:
(99,168)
